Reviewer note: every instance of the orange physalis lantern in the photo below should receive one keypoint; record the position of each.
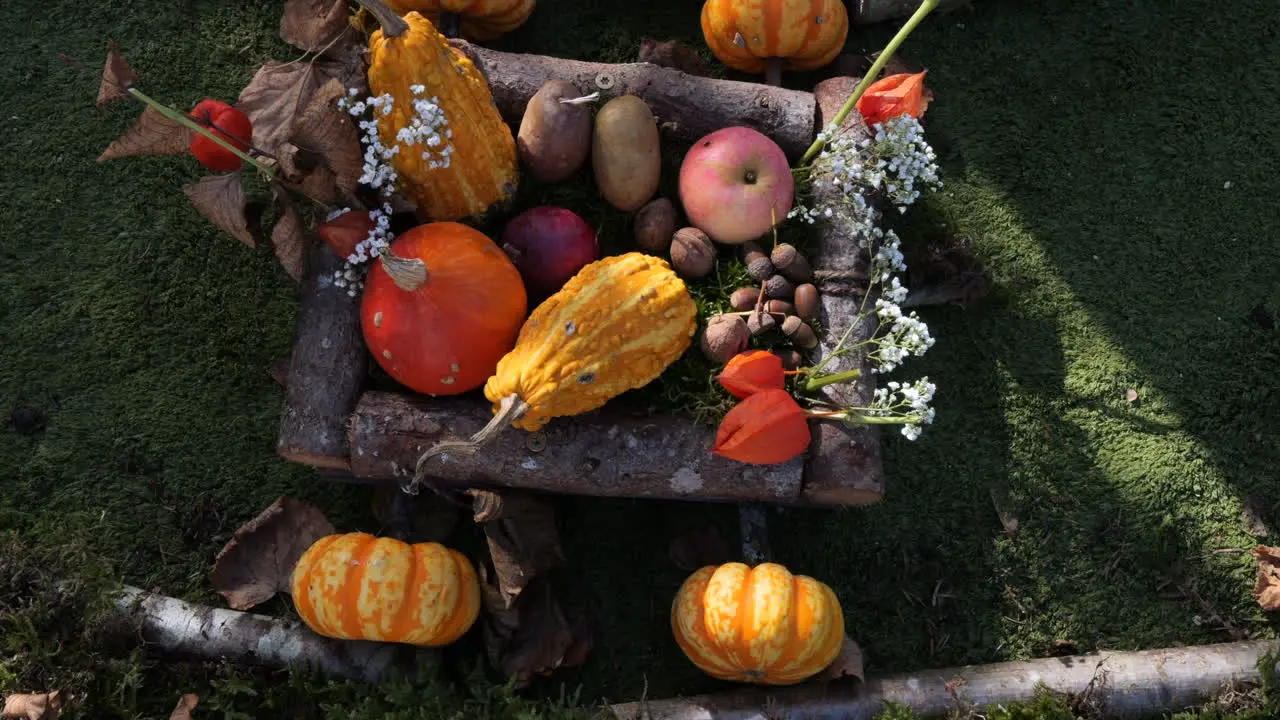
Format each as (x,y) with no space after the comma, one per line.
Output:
(768,427)
(750,372)
(894,95)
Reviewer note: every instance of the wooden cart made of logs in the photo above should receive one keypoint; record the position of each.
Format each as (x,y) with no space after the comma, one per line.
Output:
(330,420)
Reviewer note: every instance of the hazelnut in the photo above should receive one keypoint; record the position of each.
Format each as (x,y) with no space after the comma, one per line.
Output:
(807,302)
(724,337)
(781,307)
(760,323)
(788,261)
(744,298)
(778,287)
(654,225)
(692,253)
(800,333)
(758,264)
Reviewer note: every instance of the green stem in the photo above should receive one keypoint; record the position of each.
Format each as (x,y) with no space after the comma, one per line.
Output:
(925,8)
(186,121)
(870,419)
(823,380)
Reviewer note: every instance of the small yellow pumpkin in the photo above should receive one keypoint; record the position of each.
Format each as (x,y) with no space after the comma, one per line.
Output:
(771,35)
(355,586)
(481,170)
(758,625)
(479,20)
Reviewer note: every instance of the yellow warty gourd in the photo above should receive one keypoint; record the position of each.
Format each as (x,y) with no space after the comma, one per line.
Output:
(482,169)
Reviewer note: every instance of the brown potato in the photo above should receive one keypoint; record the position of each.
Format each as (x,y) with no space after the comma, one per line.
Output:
(554,137)
(625,152)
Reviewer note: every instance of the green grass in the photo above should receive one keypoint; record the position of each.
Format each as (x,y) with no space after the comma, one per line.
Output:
(1085,148)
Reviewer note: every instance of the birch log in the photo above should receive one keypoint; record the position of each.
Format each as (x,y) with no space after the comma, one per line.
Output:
(185,628)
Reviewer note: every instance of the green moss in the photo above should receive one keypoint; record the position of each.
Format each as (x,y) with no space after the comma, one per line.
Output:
(1082,163)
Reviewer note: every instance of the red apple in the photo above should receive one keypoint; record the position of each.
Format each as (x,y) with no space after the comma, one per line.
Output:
(734,183)
(549,245)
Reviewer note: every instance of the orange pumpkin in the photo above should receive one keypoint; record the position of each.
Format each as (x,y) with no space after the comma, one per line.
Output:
(479,19)
(751,35)
(355,586)
(441,306)
(758,625)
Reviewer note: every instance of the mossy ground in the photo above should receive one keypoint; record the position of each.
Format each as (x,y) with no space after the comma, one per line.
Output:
(1111,172)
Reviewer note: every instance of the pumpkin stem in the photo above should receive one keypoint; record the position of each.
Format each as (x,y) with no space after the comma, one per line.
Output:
(392,24)
(509,410)
(409,274)
(773,71)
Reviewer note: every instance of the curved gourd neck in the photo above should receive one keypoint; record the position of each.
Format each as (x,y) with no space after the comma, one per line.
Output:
(392,24)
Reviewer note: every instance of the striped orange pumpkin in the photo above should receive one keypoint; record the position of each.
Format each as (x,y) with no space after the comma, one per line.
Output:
(759,625)
(805,34)
(355,586)
(480,19)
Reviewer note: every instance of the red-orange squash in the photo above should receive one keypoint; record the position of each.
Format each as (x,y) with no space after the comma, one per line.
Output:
(801,34)
(759,625)
(355,586)
(441,306)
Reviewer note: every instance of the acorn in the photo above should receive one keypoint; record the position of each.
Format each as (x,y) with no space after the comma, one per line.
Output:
(807,302)
(788,261)
(744,298)
(758,264)
(778,287)
(724,337)
(692,254)
(654,225)
(782,307)
(760,323)
(791,359)
(800,333)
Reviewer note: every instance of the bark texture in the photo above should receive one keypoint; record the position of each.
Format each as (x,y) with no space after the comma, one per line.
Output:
(326,370)
(686,106)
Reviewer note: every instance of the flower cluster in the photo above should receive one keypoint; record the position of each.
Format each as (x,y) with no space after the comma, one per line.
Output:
(893,164)
(427,133)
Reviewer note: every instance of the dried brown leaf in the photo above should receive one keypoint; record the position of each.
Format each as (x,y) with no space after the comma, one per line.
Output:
(117,77)
(1267,587)
(33,706)
(289,239)
(279,369)
(414,518)
(328,132)
(532,637)
(151,134)
(523,539)
(699,548)
(1131,395)
(317,25)
(222,199)
(847,664)
(258,560)
(278,94)
(1008,521)
(186,704)
(672,54)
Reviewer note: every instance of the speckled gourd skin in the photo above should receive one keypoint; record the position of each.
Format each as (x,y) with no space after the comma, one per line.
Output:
(615,326)
(483,170)
(355,586)
(481,19)
(807,35)
(758,625)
